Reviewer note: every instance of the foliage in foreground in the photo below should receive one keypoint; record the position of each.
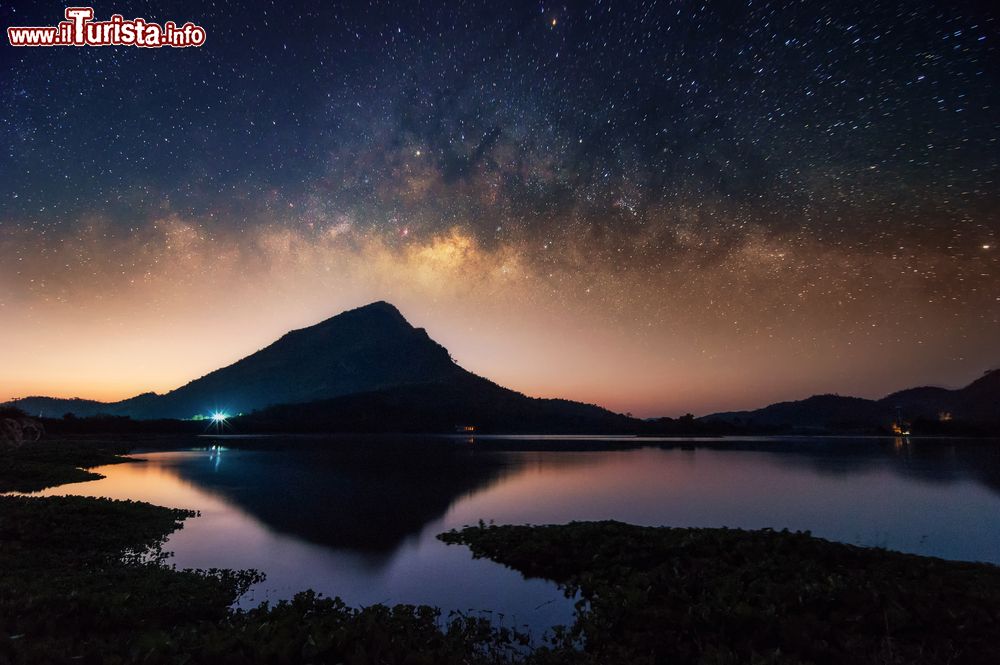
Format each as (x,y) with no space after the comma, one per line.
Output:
(662,595)
(82,580)
(42,464)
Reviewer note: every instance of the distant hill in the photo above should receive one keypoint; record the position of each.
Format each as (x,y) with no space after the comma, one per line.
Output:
(439,407)
(976,404)
(365,369)
(54,407)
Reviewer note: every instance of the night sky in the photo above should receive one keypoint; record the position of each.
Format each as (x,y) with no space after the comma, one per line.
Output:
(656,206)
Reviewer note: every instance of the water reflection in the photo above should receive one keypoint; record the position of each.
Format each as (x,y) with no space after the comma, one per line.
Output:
(368,498)
(358,519)
(928,460)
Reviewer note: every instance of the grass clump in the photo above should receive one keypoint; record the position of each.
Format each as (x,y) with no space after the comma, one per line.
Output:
(664,595)
(81,578)
(36,466)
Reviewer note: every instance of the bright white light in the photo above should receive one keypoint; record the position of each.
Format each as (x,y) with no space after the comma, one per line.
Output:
(219,417)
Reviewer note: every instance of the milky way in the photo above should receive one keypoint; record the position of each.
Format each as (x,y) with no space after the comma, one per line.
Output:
(657,206)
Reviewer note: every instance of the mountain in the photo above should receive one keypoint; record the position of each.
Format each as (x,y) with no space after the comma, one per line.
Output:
(374,366)
(977,403)
(364,349)
(819,411)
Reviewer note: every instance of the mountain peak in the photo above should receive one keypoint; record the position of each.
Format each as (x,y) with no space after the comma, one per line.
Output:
(374,311)
(378,305)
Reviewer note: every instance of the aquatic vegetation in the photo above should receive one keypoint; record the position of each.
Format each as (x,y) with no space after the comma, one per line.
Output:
(663,595)
(81,578)
(314,629)
(50,463)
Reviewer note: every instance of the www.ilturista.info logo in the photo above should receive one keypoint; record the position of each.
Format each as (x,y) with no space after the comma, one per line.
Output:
(79,29)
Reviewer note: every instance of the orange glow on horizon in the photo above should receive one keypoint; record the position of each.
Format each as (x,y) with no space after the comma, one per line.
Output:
(109,336)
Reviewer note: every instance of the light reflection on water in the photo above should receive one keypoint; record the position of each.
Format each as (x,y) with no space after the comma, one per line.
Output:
(359,519)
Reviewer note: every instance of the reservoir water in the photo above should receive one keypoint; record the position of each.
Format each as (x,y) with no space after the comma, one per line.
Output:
(357,518)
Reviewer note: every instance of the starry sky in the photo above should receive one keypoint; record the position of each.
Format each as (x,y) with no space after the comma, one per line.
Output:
(656,206)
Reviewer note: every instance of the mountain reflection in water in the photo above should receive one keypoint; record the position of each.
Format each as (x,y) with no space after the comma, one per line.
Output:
(367,498)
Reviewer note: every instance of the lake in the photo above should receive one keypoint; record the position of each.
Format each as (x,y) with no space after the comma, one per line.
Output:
(357,517)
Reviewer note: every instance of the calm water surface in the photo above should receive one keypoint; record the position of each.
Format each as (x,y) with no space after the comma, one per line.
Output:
(358,519)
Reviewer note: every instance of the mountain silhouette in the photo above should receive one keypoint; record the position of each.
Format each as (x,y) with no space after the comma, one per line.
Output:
(369,348)
(369,370)
(978,402)
(371,358)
